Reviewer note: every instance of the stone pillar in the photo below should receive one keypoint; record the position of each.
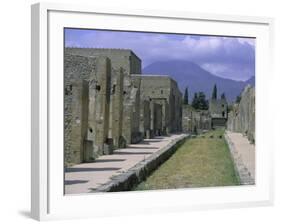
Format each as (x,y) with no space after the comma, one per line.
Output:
(135,101)
(127,110)
(99,98)
(79,122)
(131,110)
(145,118)
(156,118)
(172,113)
(152,115)
(116,107)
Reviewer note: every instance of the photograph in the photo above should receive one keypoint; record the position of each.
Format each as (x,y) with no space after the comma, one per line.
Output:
(157,111)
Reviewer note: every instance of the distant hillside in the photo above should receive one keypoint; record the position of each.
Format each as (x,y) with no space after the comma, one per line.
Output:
(251,81)
(189,74)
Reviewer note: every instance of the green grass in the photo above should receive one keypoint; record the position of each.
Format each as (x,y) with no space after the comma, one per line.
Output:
(199,162)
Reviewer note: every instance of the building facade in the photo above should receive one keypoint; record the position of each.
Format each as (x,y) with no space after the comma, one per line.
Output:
(164,91)
(218,111)
(109,104)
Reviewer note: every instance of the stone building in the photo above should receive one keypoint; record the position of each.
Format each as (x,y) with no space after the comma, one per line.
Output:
(109,104)
(130,63)
(124,58)
(218,111)
(242,116)
(163,90)
(86,90)
(94,121)
(195,121)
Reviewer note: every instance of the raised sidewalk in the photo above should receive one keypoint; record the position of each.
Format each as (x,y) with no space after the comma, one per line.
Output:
(121,169)
(243,154)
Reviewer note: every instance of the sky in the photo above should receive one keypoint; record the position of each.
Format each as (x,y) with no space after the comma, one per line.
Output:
(227,57)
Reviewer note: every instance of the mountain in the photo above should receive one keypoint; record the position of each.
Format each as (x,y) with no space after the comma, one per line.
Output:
(251,81)
(189,74)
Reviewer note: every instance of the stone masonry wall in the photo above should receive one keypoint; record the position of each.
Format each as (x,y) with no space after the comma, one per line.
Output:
(242,117)
(164,91)
(145,116)
(194,121)
(124,58)
(130,63)
(95,73)
(108,104)
(116,108)
(76,106)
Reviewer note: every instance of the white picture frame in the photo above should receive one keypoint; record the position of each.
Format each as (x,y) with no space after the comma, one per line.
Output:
(48,200)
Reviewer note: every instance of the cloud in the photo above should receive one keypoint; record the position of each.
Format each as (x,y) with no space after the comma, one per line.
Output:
(227,57)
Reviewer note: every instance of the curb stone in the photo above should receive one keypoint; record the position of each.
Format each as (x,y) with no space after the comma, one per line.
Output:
(135,175)
(241,170)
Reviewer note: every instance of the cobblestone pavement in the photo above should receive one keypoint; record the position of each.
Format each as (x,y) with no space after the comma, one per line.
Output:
(85,177)
(243,153)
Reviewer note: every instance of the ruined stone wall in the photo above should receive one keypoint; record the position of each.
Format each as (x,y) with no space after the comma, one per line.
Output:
(165,114)
(164,90)
(156,119)
(100,116)
(76,100)
(176,122)
(131,110)
(116,108)
(135,101)
(194,121)
(145,116)
(218,108)
(130,63)
(124,58)
(242,117)
(187,118)
(95,74)
(218,111)
(205,120)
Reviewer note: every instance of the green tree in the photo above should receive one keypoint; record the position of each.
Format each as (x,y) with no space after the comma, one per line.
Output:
(202,102)
(195,101)
(214,94)
(223,96)
(238,98)
(185,98)
(199,101)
